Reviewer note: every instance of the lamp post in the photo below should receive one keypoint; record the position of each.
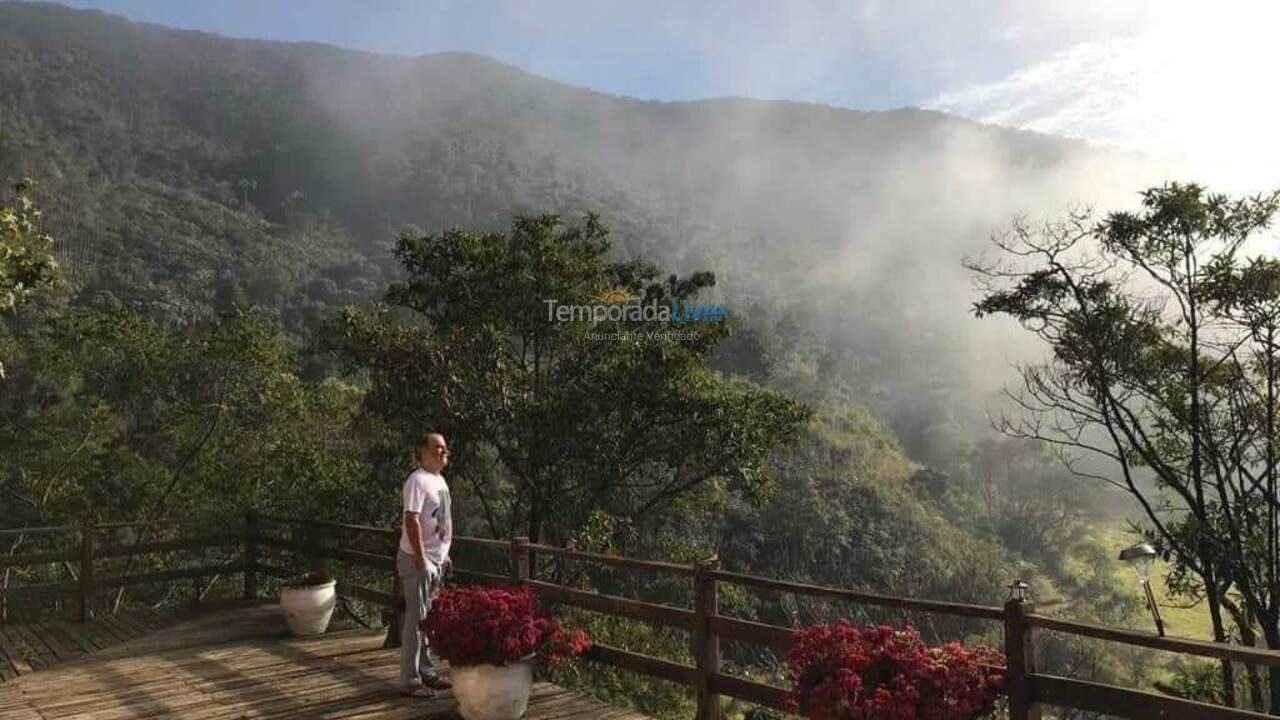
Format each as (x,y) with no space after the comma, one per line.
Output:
(1140,557)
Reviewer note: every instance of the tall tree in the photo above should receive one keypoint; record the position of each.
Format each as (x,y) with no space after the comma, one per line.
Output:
(1163,362)
(622,415)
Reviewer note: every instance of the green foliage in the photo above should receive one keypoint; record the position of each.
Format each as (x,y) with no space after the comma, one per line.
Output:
(26,257)
(658,699)
(26,254)
(1165,365)
(185,176)
(109,414)
(189,172)
(577,423)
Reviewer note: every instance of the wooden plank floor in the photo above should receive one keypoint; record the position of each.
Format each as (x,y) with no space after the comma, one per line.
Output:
(242,663)
(25,648)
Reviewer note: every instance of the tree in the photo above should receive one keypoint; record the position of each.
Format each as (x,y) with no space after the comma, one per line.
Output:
(109,415)
(1164,364)
(26,257)
(571,415)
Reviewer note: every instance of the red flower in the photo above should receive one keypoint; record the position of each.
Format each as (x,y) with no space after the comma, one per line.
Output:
(495,625)
(842,672)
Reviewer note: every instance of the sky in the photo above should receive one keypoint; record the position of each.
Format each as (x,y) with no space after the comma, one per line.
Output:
(1178,79)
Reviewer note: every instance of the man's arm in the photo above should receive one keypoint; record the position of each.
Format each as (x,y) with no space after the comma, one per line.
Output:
(413,529)
(446,527)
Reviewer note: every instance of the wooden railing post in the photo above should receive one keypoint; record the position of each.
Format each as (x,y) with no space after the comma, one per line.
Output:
(1019,653)
(86,567)
(251,554)
(395,618)
(706,645)
(397,611)
(519,560)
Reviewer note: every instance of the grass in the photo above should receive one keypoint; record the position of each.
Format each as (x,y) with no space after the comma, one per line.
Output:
(1179,620)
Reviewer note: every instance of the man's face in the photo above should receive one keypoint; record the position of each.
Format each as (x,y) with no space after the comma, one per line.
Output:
(436,454)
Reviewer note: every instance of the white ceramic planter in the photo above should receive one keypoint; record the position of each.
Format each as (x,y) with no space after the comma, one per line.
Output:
(492,692)
(307,609)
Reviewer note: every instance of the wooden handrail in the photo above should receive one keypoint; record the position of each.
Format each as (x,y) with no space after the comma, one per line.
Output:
(74,587)
(40,558)
(752,691)
(482,542)
(1028,688)
(161,522)
(981,612)
(614,605)
(774,637)
(1185,646)
(482,577)
(5,532)
(198,543)
(1124,702)
(53,529)
(617,560)
(370,529)
(641,663)
(372,561)
(168,575)
(43,589)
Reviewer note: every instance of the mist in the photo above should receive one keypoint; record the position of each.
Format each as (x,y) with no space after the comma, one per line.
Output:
(851,226)
(856,224)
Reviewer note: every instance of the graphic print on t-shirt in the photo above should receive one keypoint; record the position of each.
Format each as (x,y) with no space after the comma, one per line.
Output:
(443,517)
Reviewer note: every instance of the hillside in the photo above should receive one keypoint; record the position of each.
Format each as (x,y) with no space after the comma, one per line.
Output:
(185,170)
(184,173)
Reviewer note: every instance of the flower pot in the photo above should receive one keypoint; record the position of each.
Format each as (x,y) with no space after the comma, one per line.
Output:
(493,692)
(307,609)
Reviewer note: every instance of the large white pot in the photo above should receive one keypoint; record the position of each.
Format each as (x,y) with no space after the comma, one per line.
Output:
(493,692)
(308,609)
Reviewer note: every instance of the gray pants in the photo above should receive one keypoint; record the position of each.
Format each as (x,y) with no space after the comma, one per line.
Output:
(420,587)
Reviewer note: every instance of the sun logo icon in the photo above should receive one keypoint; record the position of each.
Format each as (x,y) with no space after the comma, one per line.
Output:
(614,295)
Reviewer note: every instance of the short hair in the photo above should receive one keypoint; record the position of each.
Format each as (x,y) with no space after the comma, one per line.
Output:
(425,442)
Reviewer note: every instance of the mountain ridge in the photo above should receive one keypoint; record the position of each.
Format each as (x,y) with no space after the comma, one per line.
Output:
(197,170)
(123,22)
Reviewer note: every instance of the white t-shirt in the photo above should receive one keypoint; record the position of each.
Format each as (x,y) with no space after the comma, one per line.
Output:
(428,495)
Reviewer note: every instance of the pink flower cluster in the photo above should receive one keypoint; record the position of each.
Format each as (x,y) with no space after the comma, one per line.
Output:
(496,625)
(842,672)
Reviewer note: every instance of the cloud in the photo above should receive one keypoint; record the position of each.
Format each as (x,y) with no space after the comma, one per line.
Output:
(1196,85)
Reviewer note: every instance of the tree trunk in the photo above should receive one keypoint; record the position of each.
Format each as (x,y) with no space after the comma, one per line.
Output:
(535,529)
(1271,631)
(1220,635)
(1243,620)
(1256,699)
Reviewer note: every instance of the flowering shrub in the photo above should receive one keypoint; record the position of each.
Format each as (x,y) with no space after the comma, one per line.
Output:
(842,672)
(495,626)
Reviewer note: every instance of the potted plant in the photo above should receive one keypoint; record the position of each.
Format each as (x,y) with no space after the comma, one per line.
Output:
(491,637)
(840,671)
(308,603)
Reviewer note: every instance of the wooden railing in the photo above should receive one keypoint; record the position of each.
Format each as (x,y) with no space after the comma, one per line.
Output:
(312,543)
(89,552)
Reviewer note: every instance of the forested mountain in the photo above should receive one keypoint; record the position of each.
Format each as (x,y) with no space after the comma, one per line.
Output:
(184,174)
(195,170)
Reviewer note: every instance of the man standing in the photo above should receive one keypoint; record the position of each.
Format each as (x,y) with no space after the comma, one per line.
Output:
(422,562)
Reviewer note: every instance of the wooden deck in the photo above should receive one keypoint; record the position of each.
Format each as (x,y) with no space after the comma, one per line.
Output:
(241,663)
(25,648)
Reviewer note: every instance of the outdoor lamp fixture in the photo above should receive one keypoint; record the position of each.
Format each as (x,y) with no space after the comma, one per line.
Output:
(1140,557)
(1018,590)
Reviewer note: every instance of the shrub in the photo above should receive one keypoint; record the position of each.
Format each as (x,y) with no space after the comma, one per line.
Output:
(497,625)
(842,672)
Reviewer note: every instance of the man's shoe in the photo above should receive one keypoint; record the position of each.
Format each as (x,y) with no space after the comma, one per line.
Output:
(436,683)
